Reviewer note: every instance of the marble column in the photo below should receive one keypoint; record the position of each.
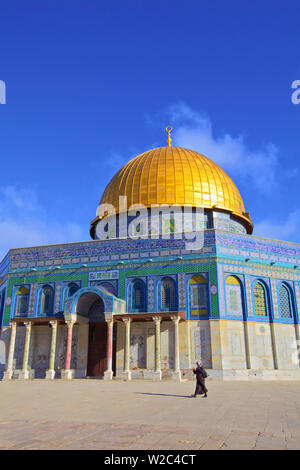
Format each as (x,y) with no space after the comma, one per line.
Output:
(24,374)
(50,373)
(126,375)
(176,373)
(9,370)
(67,373)
(157,372)
(108,374)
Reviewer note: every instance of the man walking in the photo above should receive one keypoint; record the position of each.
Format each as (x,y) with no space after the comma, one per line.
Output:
(201,374)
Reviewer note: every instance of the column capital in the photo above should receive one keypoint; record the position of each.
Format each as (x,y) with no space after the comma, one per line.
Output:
(156,319)
(53,323)
(28,325)
(70,323)
(109,321)
(126,320)
(13,324)
(175,319)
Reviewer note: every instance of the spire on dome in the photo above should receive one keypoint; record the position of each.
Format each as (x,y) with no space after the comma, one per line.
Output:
(169,140)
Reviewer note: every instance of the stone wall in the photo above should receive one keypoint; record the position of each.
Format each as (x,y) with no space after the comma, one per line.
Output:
(228,348)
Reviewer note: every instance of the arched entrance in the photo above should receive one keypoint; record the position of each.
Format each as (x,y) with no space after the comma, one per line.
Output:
(92,306)
(93,309)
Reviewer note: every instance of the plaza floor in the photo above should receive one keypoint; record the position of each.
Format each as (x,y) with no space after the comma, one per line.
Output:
(94,414)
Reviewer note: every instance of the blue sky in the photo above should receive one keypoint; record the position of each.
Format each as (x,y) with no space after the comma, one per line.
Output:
(90,84)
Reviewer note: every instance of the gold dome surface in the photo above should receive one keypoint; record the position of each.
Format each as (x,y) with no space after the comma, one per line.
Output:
(175,175)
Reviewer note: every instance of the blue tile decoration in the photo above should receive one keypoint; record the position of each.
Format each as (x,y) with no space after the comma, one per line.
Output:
(246,256)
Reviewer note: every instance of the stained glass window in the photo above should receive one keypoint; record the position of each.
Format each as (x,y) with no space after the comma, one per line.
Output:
(234,296)
(198,294)
(22,298)
(168,295)
(285,302)
(47,300)
(260,302)
(138,296)
(233,300)
(198,297)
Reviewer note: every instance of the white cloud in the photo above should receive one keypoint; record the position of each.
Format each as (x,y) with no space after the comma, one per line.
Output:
(24,222)
(194,130)
(287,229)
(259,169)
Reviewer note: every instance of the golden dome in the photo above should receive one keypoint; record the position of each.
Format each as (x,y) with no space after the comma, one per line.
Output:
(175,175)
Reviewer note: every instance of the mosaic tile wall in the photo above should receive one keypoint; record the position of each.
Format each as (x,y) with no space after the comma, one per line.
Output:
(271,274)
(101,251)
(274,297)
(249,298)
(151,294)
(191,268)
(4,267)
(32,299)
(249,246)
(246,255)
(181,291)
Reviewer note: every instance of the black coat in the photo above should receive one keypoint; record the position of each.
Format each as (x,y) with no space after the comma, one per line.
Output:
(199,371)
(200,386)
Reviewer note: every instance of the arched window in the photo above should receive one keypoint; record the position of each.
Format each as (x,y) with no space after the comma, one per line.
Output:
(138,296)
(260,300)
(234,302)
(285,303)
(71,289)
(198,295)
(108,286)
(168,299)
(47,299)
(22,300)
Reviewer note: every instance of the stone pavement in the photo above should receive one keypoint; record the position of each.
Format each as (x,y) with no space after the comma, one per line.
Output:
(94,414)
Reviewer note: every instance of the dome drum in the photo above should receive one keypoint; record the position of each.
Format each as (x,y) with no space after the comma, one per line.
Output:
(212,219)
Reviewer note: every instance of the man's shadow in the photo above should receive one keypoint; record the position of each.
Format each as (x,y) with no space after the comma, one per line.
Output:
(164,395)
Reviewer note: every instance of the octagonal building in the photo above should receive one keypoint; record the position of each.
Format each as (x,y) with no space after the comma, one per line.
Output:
(172,275)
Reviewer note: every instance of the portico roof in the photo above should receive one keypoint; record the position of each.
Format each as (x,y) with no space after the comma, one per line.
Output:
(148,316)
